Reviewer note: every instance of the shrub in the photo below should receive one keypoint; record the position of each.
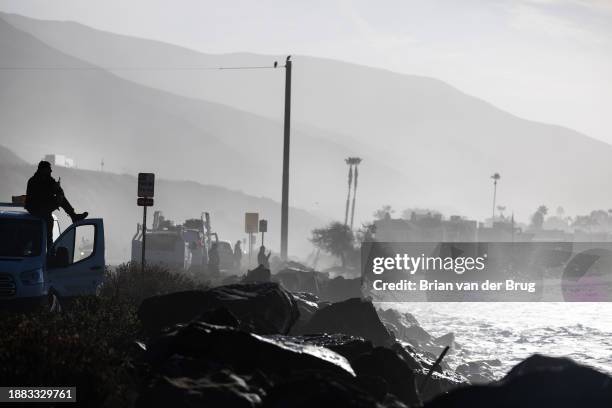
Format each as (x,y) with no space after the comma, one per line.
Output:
(90,344)
(128,283)
(87,346)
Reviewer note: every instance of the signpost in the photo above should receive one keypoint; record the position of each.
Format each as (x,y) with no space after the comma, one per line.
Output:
(146,185)
(263,228)
(251,226)
(146,191)
(144,202)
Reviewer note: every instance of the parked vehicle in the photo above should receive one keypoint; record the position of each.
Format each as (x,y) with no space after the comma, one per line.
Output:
(163,247)
(183,246)
(32,275)
(226,255)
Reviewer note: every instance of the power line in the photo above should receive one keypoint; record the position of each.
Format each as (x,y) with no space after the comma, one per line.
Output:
(133,68)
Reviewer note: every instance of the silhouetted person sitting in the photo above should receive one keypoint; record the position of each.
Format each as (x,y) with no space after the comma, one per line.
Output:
(262,258)
(45,195)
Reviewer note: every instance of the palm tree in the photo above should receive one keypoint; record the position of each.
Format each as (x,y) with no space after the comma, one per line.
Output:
(495,178)
(356,161)
(350,181)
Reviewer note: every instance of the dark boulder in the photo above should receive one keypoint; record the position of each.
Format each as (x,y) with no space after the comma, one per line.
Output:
(388,365)
(410,356)
(538,381)
(405,326)
(259,274)
(439,384)
(315,390)
(221,389)
(264,308)
(307,306)
(340,288)
(203,347)
(442,380)
(350,347)
(395,316)
(299,280)
(380,370)
(219,317)
(355,317)
(200,364)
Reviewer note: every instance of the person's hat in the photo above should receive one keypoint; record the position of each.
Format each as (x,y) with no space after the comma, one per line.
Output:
(44,164)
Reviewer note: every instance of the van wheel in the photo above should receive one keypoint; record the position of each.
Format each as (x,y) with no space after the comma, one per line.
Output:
(54,303)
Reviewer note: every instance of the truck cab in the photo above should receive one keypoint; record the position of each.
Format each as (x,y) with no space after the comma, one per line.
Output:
(32,275)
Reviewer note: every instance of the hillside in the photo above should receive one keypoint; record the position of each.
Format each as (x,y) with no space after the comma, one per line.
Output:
(71,107)
(113,198)
(7,157)
(424,142)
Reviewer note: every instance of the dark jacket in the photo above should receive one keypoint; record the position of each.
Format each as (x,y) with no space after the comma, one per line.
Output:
(43,194)
(264,259)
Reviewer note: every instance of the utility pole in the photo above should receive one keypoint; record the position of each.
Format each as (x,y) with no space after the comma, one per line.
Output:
(287,137)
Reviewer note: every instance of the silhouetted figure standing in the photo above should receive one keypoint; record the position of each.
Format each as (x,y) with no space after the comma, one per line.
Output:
(238,254)
(45,195)
(213,260)
(262,258)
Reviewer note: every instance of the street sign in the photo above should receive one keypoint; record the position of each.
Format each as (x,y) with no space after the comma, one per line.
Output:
(146,184)
(144,202)
(263,225)
(146,191)
(251,223)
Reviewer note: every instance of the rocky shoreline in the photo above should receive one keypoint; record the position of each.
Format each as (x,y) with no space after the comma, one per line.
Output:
(304,340)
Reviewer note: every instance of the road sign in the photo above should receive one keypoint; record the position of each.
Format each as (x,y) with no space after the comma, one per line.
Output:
(251,223)
(146,191)
(146,184)
(144,202)
(263,225)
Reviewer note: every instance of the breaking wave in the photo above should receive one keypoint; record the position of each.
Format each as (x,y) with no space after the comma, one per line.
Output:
(510,332)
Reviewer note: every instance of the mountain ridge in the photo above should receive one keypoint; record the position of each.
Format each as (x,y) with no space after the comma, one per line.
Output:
(424,142)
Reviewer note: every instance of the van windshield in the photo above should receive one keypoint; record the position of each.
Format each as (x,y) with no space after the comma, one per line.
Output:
(20,238)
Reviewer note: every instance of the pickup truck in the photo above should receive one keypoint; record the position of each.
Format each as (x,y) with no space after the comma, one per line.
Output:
(32,275)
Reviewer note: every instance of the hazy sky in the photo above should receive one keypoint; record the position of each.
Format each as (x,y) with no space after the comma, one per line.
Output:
(546,60)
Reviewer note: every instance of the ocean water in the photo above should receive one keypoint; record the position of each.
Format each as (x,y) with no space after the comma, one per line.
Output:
(511,332)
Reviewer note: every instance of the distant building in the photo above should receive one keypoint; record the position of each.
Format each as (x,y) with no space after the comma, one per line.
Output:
(426,228)
(433,228)
(502,231)
(59,160)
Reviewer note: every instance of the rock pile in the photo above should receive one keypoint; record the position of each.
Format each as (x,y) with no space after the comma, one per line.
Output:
(264,308)
(259,345)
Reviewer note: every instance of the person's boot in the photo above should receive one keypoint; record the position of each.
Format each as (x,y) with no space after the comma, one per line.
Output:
(78,217)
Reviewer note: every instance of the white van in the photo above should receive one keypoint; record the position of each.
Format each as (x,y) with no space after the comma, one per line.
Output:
(30,277)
